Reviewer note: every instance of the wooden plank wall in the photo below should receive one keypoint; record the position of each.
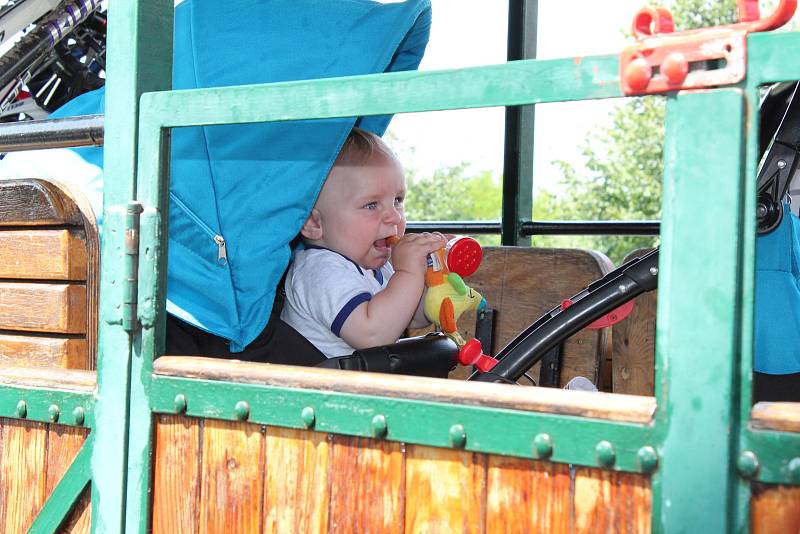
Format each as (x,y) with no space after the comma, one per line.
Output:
(775,509)
(33,458)
(213,476)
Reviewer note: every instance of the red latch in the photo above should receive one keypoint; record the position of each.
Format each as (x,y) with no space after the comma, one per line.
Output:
(664,60)
(607,320)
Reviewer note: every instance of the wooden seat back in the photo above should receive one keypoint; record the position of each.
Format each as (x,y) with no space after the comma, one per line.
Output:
(49,265)
(633,360)
(523,283)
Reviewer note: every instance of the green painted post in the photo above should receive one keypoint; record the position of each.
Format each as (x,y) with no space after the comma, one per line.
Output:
(139,59)
(699,312)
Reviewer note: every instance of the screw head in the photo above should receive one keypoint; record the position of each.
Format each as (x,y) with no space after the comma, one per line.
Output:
(458,436)
(308,416)
(653,271)
(675,67)
(638,74)
(647,458)
(379,426)
(781,164)
(794,470)
(542,446)
(747,464)
(55,412)
(242,410)
(78,415)
(606,455)
(22,409)
(180,403)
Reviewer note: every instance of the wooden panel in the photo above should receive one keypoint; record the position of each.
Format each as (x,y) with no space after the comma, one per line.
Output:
(40,351)
(527,496)
(22,473)
(775,509)
(445,490)
(634,353)
(59,308)
(63,444)
(607,501)
(43,254)
(176,468)
(33,202)
(232,477)
(781,416)
(63,379)
(596,405)
(366,485)
(297,491)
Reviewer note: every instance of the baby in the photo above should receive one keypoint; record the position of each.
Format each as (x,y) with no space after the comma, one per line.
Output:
(342,293)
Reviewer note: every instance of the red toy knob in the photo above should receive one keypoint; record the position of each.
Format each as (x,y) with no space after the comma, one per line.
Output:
(464,255)
(472,354)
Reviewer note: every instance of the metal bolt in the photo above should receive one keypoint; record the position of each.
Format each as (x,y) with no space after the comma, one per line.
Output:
(55,412)
(242,410)
(180,403)
(794,470)
(654,270)
(648,459)
(308,416)
(781,164)
(458,436)
(542,446)
(605,453)
(78,415)
(747,464)
(379,426)
(22,409)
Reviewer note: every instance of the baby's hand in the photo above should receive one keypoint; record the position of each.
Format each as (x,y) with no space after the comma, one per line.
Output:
(411,251)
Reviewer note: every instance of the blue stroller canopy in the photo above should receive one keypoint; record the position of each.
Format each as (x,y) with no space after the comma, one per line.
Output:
(239,193)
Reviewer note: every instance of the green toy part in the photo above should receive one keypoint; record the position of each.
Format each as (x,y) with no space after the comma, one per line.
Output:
(458,283)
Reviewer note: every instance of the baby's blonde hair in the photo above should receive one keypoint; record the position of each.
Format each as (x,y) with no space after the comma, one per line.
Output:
(361,146)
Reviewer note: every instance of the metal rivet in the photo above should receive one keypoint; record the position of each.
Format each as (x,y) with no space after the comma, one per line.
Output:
(308,416)
(78,415)
(648,459)
(458,437)
(542,446)
(242,410)
(605,453)
(781,164)
(180,403)
(379,426)
(55,412)
(654,270)
(747,464)
(22,409)
(794,470)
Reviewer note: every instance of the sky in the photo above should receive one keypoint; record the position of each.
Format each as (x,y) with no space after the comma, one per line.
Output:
(468,33)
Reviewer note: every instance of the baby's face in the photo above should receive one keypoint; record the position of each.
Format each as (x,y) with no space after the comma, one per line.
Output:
(360,206)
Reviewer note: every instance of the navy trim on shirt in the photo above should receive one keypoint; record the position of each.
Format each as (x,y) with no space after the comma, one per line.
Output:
(312,247)
(378,275)
(347,309)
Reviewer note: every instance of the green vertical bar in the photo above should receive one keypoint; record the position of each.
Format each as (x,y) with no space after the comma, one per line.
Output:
(699,312)
(139,59)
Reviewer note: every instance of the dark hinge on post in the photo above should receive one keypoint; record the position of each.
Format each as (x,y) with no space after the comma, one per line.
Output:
(130,323)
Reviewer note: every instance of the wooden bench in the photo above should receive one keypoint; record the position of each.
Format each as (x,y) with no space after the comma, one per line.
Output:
(49,265)
(523,283)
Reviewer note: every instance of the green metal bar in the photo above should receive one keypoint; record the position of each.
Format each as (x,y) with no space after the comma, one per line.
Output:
(699,311)
(768,59)
(488,430)
(140,56)
(519,129)
(775,452)
(71,408)
(515,83)
(66,493)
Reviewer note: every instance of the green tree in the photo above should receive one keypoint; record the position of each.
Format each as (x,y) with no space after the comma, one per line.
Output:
(624,159)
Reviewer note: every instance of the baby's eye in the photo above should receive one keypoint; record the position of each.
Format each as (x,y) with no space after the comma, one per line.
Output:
(398,201)
(371,205)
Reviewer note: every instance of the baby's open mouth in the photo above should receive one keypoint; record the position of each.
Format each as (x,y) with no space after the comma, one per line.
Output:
(381,244)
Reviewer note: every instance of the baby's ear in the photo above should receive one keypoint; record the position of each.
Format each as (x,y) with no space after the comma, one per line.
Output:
(312,228)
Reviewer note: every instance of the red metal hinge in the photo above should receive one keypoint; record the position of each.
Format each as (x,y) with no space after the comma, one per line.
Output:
(664,60)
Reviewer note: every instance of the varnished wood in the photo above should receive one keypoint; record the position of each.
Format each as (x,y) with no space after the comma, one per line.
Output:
(608,501)
(527,496)
(366,485)
(63,444)
(44,351)
(56,308)
(176,474)
(232,477)
(775,509)
(445,490)
(781,416)
(23,473)
(32,202)
(61,379)
(634,350)
(79,521)
(595,405)
(297,485)
(43,254)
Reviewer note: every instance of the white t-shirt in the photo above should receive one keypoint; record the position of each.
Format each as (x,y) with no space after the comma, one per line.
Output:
(323,288)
